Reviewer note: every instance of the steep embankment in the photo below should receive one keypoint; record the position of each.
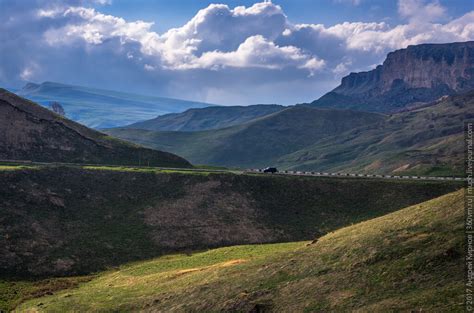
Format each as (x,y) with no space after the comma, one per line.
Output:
(63,221)
(31,132)
(207,118)
(407,261)
(420,73)
(424,141)
(259,142)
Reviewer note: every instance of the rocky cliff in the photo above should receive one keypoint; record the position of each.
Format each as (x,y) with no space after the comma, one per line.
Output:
(418,73)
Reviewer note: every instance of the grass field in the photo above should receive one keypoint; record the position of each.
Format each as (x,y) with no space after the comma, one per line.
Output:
(409,260)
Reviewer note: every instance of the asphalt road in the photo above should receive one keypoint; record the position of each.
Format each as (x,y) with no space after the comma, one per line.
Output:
(253,171)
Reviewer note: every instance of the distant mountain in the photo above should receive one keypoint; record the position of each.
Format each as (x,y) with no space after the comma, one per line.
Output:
(100,108)
(427,140)
(258,142)
(424,140)
(207,118)
(31,132)
(421,73)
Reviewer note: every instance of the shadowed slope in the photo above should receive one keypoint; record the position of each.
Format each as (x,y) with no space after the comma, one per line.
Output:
(31,132)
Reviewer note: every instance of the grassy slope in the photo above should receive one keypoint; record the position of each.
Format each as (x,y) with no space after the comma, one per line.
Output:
(100,108)
(207,118)
(407,260)
(424,141)
(31,132)
(68,221)
(256,143)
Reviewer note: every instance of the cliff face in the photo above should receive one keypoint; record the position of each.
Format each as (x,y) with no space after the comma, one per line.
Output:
(416,74)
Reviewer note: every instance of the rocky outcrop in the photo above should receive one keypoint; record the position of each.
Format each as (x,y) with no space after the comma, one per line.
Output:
(419,73)
(57,108)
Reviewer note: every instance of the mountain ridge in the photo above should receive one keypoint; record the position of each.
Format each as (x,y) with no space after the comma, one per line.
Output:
(215,117)
(32,132)
(418,73)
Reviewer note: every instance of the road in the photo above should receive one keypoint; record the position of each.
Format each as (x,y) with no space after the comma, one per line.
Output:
(251,171)
(353,175)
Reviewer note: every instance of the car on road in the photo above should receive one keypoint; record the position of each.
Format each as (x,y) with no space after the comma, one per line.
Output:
(270,170)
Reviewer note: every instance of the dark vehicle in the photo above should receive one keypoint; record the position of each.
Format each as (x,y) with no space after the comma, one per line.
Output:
(270,170)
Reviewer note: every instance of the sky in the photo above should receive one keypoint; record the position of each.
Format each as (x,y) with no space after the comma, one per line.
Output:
(224,52)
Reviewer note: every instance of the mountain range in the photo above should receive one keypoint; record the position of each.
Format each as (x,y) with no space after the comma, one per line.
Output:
(419,98)
(99,108)
(259,142)
(31,132)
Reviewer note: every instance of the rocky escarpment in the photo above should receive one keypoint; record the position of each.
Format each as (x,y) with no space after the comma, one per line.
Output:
(31,132)
(418,73)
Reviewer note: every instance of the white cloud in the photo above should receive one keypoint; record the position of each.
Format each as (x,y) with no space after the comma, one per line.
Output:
(259,36)
(220,45)
(420,10)
(29,71)
(256,52)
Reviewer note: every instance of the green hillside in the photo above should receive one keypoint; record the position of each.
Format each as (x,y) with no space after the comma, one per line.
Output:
(409,261)
(69,220)
(257,143)
(428,140)
(31,132)
(207,118)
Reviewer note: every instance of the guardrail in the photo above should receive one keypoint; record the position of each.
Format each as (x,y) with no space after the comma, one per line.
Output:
(354,175)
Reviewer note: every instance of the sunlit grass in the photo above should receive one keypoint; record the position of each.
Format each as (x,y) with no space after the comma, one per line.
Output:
(16,167)
(406,260)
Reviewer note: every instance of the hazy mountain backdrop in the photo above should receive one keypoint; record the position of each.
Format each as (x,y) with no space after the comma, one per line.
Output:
(99,108)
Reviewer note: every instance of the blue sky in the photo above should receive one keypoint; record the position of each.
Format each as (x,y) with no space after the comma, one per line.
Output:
(226,52)
(175,13)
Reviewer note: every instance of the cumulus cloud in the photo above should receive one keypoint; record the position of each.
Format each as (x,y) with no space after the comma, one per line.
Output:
(216,50)
(258,52)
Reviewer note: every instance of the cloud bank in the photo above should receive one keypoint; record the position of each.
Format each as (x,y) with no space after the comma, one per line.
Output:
(227,55)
